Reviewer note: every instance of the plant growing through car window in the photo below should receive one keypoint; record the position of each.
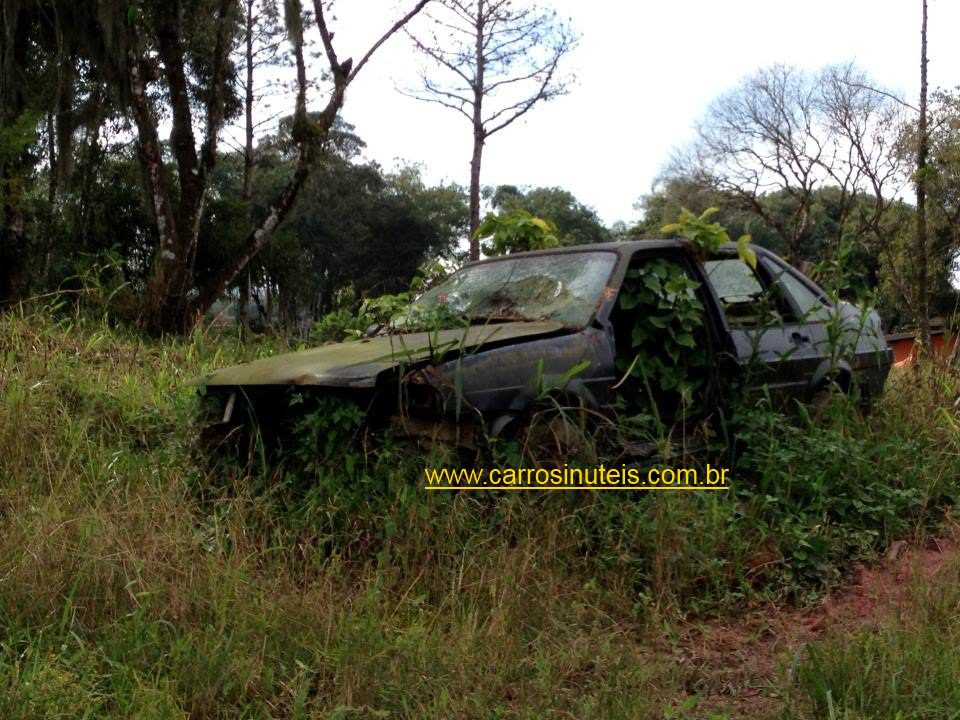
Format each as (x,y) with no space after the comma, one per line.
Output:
(663,367)
(665,371)
(707,237)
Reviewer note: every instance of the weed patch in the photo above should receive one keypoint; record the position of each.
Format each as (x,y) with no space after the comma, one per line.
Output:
(137,581)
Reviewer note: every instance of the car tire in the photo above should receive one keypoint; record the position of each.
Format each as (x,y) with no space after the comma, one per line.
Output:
(555,431)
(823,399)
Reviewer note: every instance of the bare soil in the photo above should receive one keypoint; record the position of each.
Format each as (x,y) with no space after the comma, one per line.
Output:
(737,667)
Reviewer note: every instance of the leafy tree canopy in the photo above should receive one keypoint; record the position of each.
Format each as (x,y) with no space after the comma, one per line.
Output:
(576,223)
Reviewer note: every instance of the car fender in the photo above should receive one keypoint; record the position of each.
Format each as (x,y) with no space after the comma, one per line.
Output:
(830,370)
(574,392)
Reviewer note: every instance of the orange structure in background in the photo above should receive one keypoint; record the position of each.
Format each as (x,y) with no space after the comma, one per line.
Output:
(904,345)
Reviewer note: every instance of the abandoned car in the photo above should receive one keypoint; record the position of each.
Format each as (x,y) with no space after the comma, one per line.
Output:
(651,328)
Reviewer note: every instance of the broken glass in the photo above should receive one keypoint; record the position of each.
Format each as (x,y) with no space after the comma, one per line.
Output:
(565,287)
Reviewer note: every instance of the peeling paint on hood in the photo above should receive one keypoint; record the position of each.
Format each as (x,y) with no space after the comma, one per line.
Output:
(357,363)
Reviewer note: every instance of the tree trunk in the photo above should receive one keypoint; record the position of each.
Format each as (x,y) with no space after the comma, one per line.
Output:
(244,300)
(66,96)
(159,312)
(920,239)
(52,175)
(12,242)
(191,174)
(479,133)
(13,54)
(52,161)
(475,192)
(257,238)
(166,307)
(308,138)
(247,192)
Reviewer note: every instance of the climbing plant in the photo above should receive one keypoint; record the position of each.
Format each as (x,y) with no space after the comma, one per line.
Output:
(665,360)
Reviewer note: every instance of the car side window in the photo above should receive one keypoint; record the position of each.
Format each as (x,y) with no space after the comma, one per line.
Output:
(812,308)
(746,300)
(733,281)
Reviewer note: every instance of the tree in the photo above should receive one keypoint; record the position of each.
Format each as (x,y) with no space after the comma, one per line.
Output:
(496,60)
(172,51)
(260,49)
(761,138)
(785,131)
(363,231)
(576,223)
(132,70)
(920,180)
(672,194)
(38,45)
(833,214)
(942,181)
(356,231)
(882,267)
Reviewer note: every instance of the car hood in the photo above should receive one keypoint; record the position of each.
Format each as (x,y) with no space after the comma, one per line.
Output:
(357,363)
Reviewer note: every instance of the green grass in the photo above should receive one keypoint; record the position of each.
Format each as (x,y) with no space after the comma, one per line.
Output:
(124,595)
(138,580)
(907,668)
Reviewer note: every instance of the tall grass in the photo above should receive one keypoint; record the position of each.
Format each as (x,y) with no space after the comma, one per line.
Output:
(139,580)
(124,594)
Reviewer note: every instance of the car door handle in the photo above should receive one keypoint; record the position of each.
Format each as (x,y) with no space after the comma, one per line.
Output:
(799,338)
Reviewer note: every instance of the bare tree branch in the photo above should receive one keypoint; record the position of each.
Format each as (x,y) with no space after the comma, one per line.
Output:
(383,38)
(498,54)
(783,130)
(438,101)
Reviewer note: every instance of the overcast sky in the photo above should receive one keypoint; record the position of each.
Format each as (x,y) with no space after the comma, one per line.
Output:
(646,70)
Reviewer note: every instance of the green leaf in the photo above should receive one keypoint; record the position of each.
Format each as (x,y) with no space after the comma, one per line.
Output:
(628,301)
(573,372)
(745,252)
(652,283)
(638,336)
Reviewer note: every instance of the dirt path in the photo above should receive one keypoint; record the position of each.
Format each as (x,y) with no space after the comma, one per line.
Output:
(736,667)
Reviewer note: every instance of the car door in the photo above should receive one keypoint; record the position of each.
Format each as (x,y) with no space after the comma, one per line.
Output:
(846,338)
(646,329)
(779,349)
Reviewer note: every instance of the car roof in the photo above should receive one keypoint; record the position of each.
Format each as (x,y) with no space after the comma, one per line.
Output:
(621,247)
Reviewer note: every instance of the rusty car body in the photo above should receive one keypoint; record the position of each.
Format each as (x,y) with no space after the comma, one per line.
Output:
(534,316)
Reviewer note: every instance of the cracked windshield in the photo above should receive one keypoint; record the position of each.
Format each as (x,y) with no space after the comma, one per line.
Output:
(563,287)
